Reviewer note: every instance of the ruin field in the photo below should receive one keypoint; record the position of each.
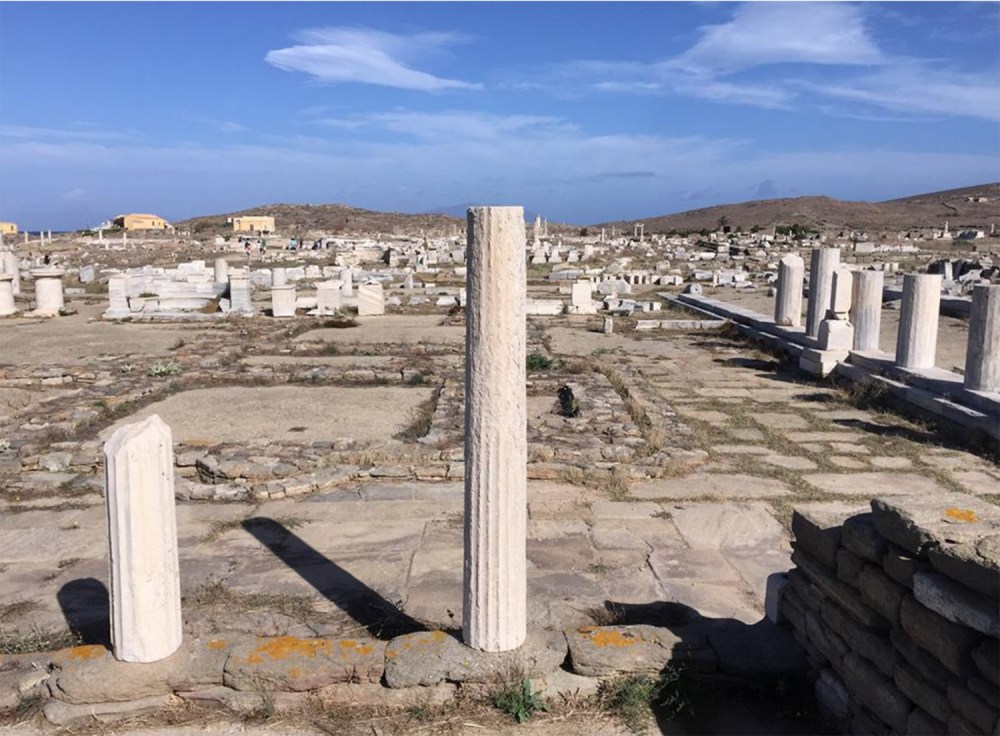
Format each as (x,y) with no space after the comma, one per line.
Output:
(681,472)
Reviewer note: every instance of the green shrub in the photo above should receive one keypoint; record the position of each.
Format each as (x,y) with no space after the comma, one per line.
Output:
(538,362)
(517,699)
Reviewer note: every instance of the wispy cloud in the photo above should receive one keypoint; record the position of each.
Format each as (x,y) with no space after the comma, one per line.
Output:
(790,56)
(344,54)
(456,124)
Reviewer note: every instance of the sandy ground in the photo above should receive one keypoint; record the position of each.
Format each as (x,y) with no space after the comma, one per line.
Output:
(285,413)
(409,329)
(952,333)
(56,340)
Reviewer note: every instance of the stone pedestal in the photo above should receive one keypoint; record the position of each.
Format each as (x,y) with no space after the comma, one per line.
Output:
(371,300)
(609,325)
(866,309)
(821,266)
(581,302)
(982,360)
(239,294)
(283,300)
(221,271)
(328,296)
(7,306)
(142,530)
(117,298)
(495,596)
(916,343)
(9,263)
(48,291)
(788,305)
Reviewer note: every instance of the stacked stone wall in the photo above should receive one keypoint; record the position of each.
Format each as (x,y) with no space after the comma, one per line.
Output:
(898,609)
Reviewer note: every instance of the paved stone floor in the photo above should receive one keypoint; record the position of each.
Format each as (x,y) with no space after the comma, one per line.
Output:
(381,555)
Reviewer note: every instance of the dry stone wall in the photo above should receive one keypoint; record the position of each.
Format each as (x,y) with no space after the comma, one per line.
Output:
(898,609)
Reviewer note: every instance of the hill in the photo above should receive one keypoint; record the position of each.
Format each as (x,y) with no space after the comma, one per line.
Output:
(330,219)
(929,210)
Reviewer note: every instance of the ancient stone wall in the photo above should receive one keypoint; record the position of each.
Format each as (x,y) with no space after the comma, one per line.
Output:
(897,608)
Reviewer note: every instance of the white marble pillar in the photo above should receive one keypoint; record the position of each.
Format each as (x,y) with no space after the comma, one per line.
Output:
(840,293)
(609,325)
(821,266)
(347,276)
(916,343)
(7,306)
(142,531)
(866,309)
(495,581)
(982,359)
(788,304)
(279,277)
(221,275)
(48,291)
(283,300)
(10,263)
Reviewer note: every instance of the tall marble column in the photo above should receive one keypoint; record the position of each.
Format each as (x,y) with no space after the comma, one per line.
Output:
(821,266)
(495,584)
(916,343)
(982,359)
(866,309)
(788,303)
(142,531)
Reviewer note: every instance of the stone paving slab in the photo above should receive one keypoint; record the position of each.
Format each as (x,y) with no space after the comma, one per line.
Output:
(873,484)
(711,485)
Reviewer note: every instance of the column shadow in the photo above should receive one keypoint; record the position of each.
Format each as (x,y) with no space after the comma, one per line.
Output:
(380,617)
(86,604)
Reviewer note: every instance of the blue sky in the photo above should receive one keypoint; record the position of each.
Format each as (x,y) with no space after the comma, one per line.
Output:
(582,111)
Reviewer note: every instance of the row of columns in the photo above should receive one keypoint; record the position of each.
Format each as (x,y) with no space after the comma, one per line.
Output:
(834,290)
(49,298)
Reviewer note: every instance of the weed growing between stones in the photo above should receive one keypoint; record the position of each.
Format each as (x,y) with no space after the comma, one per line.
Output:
(35,640)
(516,697)
(159,370)
(633,698)
(421,418)
(538,362)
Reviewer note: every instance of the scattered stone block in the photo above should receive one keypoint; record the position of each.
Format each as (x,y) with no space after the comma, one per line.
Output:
(975,563)
(431,657)
(59,713)
(957,603)
(603,651)
(862,538)
(915,522)
(293,663)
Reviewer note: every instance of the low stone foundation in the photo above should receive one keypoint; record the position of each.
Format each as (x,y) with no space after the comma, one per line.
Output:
(898,608)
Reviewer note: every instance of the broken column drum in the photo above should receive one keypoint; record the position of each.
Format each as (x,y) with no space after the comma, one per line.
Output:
(821,266)
(142,531)
(866,309)
(495,587)
(916,343)
(221,271)
(788,305)
(982,359)
(48,290)
(7,306)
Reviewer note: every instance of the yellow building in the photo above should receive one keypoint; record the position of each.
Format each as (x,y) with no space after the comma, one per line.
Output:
(8,228)
(253,224)
(142,222)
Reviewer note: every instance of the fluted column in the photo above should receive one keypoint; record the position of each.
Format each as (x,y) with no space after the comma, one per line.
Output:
(982,359)
(48,291)
(788,304)
(821,266)
(866,309)
(142,531)
(495,587)
(916,343)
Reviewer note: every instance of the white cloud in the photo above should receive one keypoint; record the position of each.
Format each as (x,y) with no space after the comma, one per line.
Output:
(368,56)
(457,125)
(777,33)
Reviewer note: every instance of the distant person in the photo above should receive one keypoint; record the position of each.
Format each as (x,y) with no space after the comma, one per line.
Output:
(47,260)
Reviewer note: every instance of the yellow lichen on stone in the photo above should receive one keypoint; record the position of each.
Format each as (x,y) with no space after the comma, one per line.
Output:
(348,644)
(606,638)
(281,647)
(216,644)
(87,651)
(966,516)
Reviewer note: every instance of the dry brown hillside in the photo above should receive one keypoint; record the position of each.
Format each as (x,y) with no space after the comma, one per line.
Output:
(922,210)
(330,219)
